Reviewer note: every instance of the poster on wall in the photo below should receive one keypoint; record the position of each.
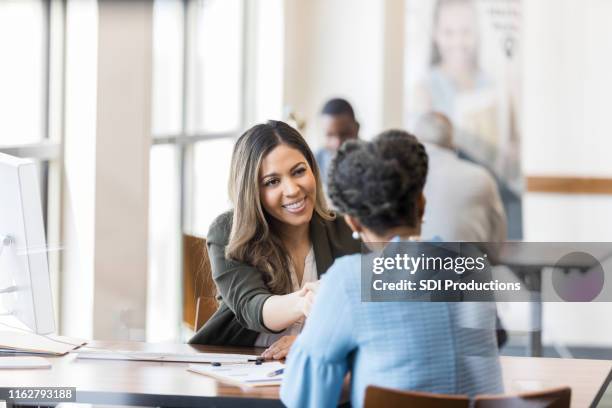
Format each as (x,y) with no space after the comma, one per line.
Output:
(463,59)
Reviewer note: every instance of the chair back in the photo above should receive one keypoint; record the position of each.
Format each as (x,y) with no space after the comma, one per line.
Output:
(389,398)
(553,398)
(205,307)
(199,290)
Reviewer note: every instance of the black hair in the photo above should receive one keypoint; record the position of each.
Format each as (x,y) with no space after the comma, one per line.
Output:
(338,106)
(379,182)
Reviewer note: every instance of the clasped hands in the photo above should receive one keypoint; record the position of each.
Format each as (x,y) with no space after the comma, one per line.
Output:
(280,348)
(307,296)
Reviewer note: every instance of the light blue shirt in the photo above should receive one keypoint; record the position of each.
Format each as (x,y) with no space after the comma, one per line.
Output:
(447,348)
(324,158)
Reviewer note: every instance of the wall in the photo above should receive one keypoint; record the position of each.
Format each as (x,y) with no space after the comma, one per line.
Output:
(567,86)
(346,48)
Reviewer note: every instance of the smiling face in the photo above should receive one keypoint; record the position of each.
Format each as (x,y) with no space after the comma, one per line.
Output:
(287,185)
(455,34)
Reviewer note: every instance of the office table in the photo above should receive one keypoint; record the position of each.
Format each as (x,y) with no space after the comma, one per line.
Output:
(170,384)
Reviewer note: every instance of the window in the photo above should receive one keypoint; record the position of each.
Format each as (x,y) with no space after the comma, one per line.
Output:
(217,68)
(197,113)
(168,37)
(203,97)
(23,72)
(30,31)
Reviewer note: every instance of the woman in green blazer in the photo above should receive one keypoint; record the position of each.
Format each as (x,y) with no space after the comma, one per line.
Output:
(276,242)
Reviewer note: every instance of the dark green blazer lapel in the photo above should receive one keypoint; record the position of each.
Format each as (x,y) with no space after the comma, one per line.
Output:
(320,245)
(235,281)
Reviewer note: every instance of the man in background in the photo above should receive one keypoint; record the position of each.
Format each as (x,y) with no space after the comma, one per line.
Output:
(339,125)
(463,202)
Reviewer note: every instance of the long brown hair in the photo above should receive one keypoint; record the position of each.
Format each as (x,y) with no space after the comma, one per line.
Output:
(252,238)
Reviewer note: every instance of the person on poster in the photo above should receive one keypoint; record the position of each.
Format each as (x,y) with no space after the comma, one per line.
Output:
(456,85)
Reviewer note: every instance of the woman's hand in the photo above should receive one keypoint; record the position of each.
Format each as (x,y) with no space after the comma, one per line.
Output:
(311,289)
(279,349)
(312,286)
(309,298)
(281,311)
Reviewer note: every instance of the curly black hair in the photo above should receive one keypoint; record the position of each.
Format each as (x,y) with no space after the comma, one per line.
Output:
(379,182)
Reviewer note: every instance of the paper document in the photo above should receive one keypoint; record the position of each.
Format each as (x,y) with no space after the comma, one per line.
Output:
(166,357)
(249,375)
(24,362)
(12,352)
(37,344)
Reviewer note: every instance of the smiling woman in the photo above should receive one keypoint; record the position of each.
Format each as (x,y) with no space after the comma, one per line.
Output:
(279,238)
(288,190)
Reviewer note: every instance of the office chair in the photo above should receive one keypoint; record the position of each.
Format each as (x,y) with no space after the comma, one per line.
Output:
(553,398)
(199,290)
(389,398)
(386,397)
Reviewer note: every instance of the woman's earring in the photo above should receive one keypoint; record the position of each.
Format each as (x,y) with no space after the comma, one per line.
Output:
(356,235)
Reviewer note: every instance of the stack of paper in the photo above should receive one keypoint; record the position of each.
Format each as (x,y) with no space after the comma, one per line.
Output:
(24,362)
(30,343)
(194,357)
(243,375)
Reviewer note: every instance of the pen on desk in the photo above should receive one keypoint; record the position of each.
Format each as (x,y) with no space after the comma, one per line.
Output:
(277,372)
(218,364)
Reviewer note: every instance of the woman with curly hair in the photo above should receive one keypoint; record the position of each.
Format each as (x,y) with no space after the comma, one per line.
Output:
(434,347)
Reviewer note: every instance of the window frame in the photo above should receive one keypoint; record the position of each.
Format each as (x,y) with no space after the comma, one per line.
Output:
(184,142)
(47,153)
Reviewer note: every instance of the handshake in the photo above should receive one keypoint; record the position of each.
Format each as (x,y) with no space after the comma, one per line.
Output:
(307,296)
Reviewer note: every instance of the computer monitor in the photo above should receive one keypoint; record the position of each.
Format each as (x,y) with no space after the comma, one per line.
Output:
(25,285)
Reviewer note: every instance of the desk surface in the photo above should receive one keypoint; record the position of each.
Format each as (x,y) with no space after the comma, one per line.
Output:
(170,384)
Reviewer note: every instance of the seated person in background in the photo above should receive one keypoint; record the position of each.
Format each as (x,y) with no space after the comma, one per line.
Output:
(279,236)
(464,203)
(425,346)
(339,125)
(463,200)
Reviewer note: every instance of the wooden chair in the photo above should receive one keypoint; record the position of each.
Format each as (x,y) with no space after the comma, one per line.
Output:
(199,290)
(389,398)
(205,307)
(386,397)
(553,398)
